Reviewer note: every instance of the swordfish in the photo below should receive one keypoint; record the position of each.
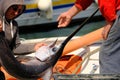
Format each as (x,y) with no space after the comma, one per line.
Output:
(28,70)
(34,68)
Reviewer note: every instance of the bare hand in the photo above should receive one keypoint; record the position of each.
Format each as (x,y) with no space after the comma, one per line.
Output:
(0,25)
(106,30)
(63,20)
(38,45)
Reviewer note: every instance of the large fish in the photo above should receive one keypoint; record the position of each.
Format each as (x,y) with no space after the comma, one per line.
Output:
(26,70)
(34,68)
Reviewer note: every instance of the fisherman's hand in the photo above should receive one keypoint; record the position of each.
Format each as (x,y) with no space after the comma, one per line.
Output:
(106,30)
(63,20)
(0,25)
(38,45)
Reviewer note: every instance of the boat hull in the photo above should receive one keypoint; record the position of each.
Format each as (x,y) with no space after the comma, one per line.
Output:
(35,16)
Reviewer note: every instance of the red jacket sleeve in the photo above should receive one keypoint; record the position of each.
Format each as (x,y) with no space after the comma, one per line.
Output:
(83,4)
(108,9)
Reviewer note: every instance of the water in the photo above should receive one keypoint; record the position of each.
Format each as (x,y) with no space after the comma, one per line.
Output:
(52,31)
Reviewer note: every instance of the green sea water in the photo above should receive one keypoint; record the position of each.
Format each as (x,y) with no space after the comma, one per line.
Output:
(61,32)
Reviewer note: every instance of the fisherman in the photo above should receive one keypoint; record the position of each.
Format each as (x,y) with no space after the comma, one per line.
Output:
(9,10)
(110,50)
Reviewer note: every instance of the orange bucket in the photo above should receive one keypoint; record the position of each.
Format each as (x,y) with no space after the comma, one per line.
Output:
(67,64)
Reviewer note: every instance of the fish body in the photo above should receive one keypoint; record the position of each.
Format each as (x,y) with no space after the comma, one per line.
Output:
(28,70)
(34,68)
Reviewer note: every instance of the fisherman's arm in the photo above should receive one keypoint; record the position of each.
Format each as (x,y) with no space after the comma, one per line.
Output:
(26,48)
(0,24)
(65,18)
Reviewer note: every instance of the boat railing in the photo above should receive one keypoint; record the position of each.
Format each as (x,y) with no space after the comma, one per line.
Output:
(87,77)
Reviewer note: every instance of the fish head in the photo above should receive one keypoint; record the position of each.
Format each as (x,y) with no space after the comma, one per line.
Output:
(45,52)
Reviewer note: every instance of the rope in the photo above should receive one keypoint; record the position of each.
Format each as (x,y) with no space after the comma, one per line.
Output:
(88,55)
